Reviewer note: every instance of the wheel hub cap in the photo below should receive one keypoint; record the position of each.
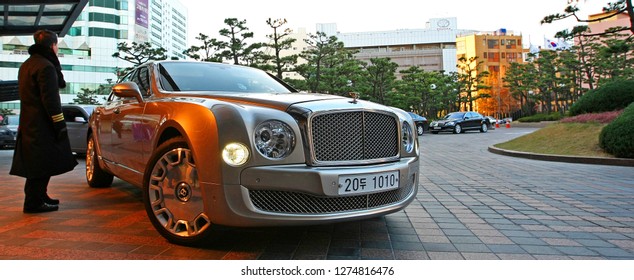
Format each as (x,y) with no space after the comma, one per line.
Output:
(183,192)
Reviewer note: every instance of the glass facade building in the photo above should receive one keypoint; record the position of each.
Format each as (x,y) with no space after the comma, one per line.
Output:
(86,51)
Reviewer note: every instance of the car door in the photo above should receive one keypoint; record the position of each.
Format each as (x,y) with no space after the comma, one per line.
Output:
(128,131)
(471,120)
(103,120)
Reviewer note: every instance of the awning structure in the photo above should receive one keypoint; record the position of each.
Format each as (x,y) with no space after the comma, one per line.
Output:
(24,17)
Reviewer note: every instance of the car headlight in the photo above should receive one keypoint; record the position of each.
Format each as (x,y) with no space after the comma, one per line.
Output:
(235,154)
(274,139)
(408,137)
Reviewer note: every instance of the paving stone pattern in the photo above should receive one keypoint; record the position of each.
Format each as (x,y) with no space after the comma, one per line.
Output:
(471,205)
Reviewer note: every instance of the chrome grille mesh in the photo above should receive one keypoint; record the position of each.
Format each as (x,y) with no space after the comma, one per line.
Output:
(300,203)
(354,136)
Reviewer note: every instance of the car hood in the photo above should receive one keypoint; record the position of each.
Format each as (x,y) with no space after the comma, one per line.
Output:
(12,127)
(447,120)
(300,102)
(280,101)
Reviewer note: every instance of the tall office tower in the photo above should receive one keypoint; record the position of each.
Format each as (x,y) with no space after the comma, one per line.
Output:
(86,51)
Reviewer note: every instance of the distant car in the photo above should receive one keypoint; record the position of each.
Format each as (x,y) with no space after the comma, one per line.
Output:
(421,123)
(76,117)
(9,130)
(459,122)
(492,122)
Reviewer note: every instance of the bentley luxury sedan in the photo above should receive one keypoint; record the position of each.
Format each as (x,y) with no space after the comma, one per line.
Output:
(217,144)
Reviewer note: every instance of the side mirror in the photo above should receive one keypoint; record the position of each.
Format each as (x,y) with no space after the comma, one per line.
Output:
(128,89)
(80,120)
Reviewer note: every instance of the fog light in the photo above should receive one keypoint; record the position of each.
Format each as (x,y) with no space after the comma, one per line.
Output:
(235,154)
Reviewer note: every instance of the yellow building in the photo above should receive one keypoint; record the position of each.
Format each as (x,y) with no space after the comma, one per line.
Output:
(496,51)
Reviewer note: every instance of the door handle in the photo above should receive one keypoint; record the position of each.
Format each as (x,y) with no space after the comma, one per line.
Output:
(117,111)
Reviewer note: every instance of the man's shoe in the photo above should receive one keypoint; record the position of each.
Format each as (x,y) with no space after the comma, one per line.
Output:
(45,207)
(51,201)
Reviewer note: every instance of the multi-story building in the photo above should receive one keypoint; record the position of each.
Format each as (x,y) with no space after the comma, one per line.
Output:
(168,26)
(297,47)
(603,21)
(495,51)
(86,51)
(432,48)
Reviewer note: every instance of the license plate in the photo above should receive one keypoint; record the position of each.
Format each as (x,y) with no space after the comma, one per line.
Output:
(436,127)
(365,183)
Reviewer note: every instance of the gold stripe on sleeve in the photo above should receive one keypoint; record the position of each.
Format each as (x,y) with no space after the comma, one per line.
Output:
(58,118)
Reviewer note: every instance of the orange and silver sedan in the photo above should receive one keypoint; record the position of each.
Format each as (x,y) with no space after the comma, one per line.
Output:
(217,144)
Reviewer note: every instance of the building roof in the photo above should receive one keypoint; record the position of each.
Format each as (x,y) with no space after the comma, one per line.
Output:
(24,17)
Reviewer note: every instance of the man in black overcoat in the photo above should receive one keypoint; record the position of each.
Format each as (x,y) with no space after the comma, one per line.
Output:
(42,149)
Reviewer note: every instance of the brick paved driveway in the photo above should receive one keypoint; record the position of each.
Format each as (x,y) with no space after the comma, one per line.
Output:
(472,204)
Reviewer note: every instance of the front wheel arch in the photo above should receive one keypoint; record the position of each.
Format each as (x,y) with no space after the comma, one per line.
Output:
(96,176)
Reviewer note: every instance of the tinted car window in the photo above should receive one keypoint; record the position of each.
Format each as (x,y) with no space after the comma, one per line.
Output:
(456,115)
(142,79)
(10,120)
(216,77)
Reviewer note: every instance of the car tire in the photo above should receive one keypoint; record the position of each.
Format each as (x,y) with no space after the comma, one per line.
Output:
(420,129)
(457,129)
(95,176)
(172,195)
(484,128)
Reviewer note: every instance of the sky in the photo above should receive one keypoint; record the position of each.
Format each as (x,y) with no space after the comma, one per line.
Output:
(519,17)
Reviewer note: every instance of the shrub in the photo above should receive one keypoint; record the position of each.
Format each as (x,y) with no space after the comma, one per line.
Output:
(605,117)
(608,97)
(554,116)
(617,138)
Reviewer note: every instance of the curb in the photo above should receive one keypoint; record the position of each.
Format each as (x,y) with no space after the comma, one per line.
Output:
(562,158)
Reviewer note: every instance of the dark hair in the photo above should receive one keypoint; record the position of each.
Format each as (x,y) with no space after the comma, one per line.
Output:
(45,37)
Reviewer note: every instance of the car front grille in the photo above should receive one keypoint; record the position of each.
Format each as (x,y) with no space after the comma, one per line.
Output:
(354,136)
(301,203)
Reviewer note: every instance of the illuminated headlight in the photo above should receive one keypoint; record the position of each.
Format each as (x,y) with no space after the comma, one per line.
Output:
(235,154)
(408,137)
(274,139)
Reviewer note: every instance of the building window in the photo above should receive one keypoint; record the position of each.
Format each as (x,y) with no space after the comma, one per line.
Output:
(493,57)
(112,4)
(108,33)
(100,17)
(74,31)
(493,43)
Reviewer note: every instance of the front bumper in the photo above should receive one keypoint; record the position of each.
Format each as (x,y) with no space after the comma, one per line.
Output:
(441,127)
(7,141)
(303,195)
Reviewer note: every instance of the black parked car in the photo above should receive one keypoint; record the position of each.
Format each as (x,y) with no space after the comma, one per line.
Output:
(9,130)
(458,122)
(421,123)
(76,117)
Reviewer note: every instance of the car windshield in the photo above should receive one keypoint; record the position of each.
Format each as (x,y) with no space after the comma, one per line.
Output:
(456,115)
(217,77)
(10,120)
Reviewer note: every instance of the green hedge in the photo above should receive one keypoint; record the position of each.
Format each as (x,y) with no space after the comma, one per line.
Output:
(608,97)
(554,116)
(617,138)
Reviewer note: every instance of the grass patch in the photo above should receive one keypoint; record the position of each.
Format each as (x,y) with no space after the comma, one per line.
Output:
(573,139)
